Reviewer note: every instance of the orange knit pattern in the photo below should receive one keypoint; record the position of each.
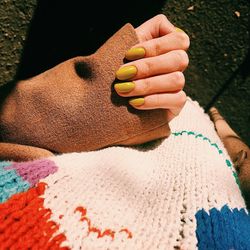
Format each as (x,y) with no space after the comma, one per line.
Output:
(100,233)
(26,224)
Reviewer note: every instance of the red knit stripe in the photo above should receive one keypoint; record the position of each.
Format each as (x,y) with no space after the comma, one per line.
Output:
(26,224)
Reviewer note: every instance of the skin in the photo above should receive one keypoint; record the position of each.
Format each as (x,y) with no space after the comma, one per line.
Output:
(160,79)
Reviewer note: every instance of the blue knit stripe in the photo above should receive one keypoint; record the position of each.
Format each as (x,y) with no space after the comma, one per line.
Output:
(223,230)
(10,182)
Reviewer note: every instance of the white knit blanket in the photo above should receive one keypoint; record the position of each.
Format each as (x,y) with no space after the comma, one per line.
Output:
(176,193)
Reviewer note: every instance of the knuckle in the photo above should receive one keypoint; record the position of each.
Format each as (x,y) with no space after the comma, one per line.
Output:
(161,17)
(157,48)
(184,40)
(182,58)
(146,65)
(154,101)
(182,98)
(179,79)
(146,86)
(154,48)
(157,101)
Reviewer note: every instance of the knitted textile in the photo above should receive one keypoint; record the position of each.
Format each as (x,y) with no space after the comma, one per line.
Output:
(176,193)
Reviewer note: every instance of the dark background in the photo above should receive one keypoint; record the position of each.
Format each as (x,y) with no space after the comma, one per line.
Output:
(37,35)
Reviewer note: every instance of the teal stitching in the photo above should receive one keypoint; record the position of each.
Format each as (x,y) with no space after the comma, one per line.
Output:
(10,182)
(5,164)
(228,162)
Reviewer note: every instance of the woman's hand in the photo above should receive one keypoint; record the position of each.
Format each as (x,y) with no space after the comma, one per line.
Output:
(154,76)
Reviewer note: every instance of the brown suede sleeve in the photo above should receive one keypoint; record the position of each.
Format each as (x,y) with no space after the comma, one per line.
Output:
(73,107)
(16,152)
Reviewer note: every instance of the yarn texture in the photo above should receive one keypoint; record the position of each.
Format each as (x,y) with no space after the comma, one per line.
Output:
(181,192)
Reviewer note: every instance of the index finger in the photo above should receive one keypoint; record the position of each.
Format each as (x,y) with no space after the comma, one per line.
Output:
(155,27)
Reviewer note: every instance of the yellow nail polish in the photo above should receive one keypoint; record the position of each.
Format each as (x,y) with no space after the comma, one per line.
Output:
(124,87)
(179,30)
(136,102)
(126,72)
(135,53)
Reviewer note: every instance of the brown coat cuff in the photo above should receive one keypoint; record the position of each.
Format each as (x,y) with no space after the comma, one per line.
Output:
(73,107)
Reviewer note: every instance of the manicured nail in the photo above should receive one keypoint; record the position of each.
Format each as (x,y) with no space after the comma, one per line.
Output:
(136,102)
(124,87)
(179,30)
(126,72)
(135,53)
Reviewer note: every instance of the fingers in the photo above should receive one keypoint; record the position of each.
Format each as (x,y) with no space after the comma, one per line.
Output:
(171,82)
(176,60)
(157,26)
(171,101)
(162,91)
(177,40)
(153,78)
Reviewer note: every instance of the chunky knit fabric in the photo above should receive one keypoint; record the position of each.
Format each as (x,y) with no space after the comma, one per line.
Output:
(176,193)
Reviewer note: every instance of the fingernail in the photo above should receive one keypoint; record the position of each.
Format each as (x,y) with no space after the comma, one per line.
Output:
(136,102)
(124,87)
(179,30)
(126,72)
(135,53)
